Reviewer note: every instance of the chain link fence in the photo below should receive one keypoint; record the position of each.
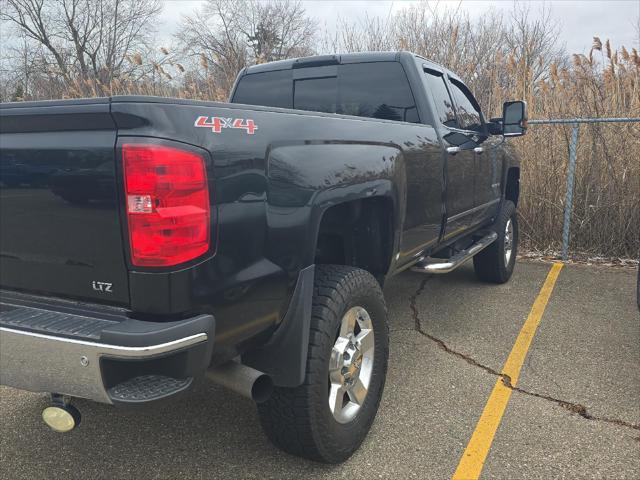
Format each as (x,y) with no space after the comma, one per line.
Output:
(575,124)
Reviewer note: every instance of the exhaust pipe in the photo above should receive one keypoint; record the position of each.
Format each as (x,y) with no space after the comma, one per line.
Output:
(61,416)
(246,381)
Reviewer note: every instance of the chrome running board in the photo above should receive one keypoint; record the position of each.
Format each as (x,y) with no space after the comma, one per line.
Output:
(440,265)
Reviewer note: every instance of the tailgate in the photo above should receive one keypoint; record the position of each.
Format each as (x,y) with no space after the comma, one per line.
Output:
(59,223)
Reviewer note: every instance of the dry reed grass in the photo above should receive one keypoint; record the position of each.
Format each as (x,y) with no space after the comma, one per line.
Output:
(606,206)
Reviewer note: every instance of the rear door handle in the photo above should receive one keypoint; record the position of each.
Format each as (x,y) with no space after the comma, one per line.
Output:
(453,150)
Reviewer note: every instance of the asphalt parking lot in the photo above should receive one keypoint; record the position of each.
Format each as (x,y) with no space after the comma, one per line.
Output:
(575,412)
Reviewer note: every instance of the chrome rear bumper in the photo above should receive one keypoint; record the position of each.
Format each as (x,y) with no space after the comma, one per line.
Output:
(86,351)
(44,363)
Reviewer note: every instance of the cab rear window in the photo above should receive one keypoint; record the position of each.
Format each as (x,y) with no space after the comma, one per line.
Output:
(271,89)
(374,90)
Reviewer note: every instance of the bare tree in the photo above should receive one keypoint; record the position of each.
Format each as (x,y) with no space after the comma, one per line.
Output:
(80,40)
(533,46)
(637,27)
(491,54)
(20,60)
(227,35)
(447,37)
(277,29)
(369,34)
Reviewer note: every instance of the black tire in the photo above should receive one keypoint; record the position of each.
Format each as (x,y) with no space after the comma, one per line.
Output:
(299,420)
(490,264)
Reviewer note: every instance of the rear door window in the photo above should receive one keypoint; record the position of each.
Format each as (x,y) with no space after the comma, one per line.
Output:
(469,116)
(377,90)
(444,105)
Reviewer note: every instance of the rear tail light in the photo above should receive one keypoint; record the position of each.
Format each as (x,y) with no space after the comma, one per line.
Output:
(167,204)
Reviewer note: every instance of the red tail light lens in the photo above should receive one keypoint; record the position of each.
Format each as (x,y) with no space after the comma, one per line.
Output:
(167,204)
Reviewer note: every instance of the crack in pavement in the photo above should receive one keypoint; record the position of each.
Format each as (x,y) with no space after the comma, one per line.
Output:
(506,380)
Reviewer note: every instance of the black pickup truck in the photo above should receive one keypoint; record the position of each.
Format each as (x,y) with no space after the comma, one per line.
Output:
(146,242)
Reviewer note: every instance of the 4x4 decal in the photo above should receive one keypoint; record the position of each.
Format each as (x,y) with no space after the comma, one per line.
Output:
(216,124)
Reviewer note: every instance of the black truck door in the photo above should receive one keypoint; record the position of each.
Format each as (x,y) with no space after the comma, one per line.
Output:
(459,144)
(487,167)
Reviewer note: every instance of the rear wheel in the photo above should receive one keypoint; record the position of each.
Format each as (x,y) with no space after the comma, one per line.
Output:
(496,262)
(328,416)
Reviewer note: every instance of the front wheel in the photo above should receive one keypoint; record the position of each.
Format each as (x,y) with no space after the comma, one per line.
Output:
(328,416)
(496,262)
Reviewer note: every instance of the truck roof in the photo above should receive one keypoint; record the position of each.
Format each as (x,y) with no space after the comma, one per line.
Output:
(319,60)
(339,59)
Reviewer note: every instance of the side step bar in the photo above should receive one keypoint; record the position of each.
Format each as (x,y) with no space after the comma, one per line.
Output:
(438,265)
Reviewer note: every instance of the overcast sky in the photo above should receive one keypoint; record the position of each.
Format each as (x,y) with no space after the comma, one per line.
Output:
(579,20)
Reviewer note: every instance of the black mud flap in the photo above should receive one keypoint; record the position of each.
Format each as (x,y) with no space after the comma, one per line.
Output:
(284,356)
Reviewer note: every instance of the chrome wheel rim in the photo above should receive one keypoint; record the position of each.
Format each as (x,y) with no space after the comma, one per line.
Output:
(351,365)
(508,242)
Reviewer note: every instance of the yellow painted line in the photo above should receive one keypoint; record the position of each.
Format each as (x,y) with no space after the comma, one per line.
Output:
(475,454)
